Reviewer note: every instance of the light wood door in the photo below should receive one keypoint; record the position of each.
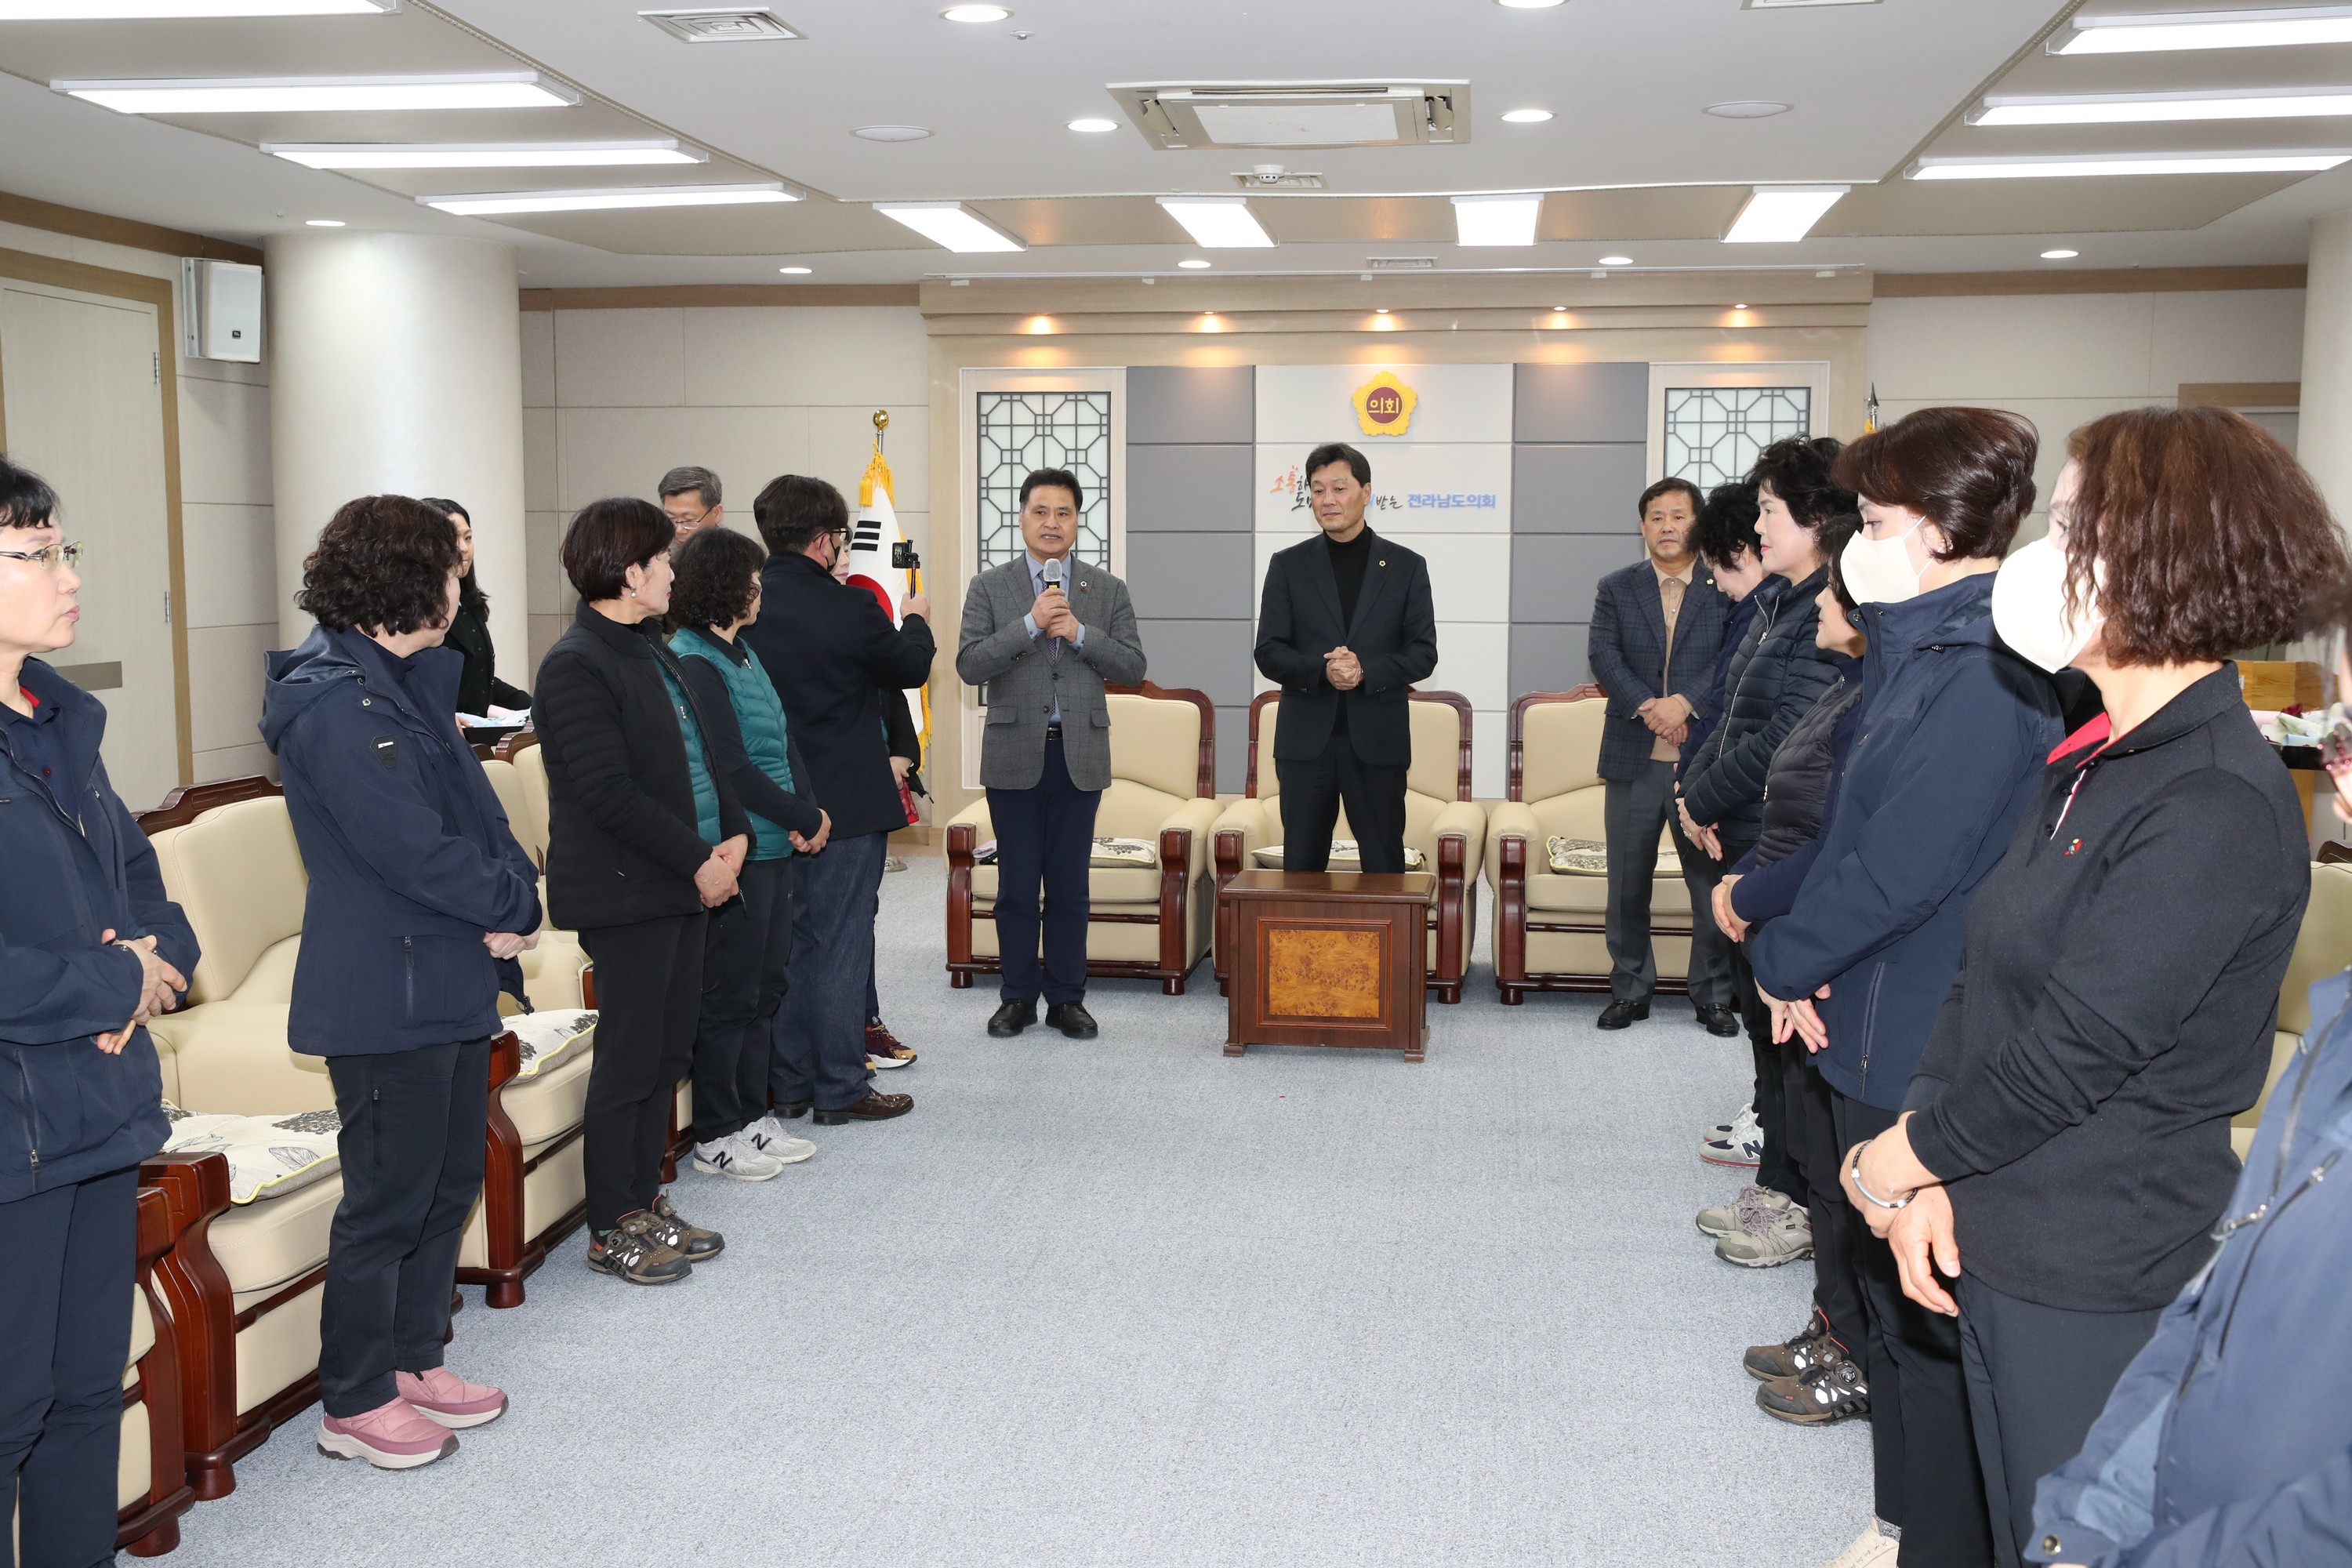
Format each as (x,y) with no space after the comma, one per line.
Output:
(84,411)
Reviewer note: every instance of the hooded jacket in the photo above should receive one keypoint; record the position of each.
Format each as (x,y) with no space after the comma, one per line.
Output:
(1766,691)
(410,859)
(1952,737)
(78,866)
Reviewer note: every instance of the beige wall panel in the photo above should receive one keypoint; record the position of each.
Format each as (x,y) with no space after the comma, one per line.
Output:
(225,442)
(865,356)
(231,564)
(2039,345)
(541,479)
(625,451)
(235,762)
(2249,336)
(841,443)
(618,359)
(544,630)
(542,541)
(539,359)
(224,683)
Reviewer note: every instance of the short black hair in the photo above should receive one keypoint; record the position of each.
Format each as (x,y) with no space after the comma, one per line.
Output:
(25,498)
(717,571)
(795,512)
(1332,452)
(606,538)
(1798,467)
(1668,486)
(1834,534)
(381,564)
(1062,477)
(701,481)
(1727,524)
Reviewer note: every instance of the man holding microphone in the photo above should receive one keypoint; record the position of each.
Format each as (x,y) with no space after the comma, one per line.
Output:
(1043,634)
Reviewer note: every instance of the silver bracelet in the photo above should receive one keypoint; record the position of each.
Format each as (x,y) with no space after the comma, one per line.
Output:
(1854,1175)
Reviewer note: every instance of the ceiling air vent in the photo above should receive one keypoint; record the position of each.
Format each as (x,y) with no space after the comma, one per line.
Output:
(731,24)
(1275,177)
(1298,113)
(1401,263)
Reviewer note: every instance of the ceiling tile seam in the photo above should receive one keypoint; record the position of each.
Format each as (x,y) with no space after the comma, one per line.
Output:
(1976,94)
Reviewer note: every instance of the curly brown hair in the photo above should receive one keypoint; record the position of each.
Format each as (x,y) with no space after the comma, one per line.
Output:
(383,565)
(2212,537)
(718,572)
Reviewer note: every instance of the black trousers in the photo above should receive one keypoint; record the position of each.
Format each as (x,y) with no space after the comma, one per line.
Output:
(649,1001)
(745,953)
(65,1317)
(1923,1450)
(1314,789)
(1045,839)
(412,1149)
(1632,814)
(2038,1377)
(1812,1140)
(1778,1167)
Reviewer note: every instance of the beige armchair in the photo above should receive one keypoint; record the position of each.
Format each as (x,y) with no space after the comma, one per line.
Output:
(1440,820)
(2321,948)
(1146,923)
(1550,930)
(150,1488)
(553,971)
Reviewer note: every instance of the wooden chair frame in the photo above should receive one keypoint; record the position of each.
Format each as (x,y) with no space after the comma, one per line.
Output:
(150,1526)
(1449,916)
(1173,964)
(1513,920)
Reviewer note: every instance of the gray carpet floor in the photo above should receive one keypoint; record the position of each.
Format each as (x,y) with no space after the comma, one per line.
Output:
(1138,1302)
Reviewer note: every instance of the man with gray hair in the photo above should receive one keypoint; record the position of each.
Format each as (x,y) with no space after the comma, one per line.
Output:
(690,496)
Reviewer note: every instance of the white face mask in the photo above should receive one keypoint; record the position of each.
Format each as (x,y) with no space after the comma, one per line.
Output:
(1879,571)
(2029,607)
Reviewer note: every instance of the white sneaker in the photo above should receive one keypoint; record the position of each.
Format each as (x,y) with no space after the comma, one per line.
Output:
(1871,1548)
(884,1064)
(768,1136)
(1724,1130)
(736,1158)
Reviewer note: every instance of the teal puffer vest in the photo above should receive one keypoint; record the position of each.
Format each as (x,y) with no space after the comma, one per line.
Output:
(759,714)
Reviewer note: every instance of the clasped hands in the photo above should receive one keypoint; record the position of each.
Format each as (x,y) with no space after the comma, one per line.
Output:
(1343,669)
(160,988)
(1919,1232)
(815,842)
(1052,614)
(715,878)
(1705,837)
(1668,717)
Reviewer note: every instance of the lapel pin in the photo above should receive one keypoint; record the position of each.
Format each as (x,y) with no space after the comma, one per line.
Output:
(1383,563)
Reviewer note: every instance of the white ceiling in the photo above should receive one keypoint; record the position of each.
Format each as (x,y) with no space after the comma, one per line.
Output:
(1873,85)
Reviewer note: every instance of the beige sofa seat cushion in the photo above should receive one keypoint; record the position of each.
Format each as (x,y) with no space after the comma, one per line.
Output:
(551,1104)
(530,767)
(261,1247)
(238,874)
(134,1469)
(1129,810)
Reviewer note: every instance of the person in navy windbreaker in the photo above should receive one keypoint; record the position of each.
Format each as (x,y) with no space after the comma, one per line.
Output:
(89,947)
(420,900)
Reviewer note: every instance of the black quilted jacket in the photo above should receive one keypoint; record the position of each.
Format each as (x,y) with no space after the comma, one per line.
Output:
(1770,686)
(1799,790)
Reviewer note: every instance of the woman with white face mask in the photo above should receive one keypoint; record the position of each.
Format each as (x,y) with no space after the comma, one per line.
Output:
(1951,737)
(2064,1148)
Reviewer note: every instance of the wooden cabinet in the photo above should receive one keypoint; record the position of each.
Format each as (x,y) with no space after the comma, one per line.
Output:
(1331,958)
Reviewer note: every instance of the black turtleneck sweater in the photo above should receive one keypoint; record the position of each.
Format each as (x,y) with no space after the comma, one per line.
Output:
(1348,568)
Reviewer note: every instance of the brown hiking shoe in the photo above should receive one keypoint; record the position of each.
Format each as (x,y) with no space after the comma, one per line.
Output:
(699,1244)
(1830,1390)
(1799,1351)
(884,1051)
(632,1251)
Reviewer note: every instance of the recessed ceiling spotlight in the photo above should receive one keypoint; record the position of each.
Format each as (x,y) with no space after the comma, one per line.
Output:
(323,223)
(891,133)
(1527,116)
(1094,127)
(796,271)
(489,204)
(270,95)
(1616,261)
(1747,109)
(1741,306)
(2059,255)
(1193,264)
(1381,311)
(975,12)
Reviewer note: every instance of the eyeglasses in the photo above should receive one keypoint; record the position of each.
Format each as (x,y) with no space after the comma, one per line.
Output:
(689,524)
(51,556)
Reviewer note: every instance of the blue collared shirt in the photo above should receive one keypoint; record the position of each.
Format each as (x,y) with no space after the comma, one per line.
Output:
(1038,585)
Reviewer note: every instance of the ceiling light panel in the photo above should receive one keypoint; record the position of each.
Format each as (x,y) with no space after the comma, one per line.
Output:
(1777,215)
(951,224)
(2126,109)
(160,10)
(1218,223)
(275,95)
(2304,161)
(482,154)
(500,202)
(2158,32)
(1497,220)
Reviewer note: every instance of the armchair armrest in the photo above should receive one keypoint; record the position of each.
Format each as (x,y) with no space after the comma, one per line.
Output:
(196,1289)
(1467,819)
(1238,832)
(1195,818)
(967,829)
(1512,818)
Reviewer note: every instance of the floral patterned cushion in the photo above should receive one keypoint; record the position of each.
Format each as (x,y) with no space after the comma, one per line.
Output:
(552,1036)
(268,1156)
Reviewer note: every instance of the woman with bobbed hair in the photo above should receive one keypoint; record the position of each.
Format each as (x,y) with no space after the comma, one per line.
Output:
(1951,737)
(2063,1149)
(480,690)
(419,901)
(645,835)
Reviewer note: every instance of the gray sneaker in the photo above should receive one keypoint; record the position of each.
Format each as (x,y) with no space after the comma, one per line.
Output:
(632,1251)
(1755,1209)
(698,1245)
(1784,1241)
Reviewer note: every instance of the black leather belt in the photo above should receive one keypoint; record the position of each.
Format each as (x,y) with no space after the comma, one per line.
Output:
(1052,732)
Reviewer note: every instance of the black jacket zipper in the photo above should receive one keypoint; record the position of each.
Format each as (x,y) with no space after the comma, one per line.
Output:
(32,1120)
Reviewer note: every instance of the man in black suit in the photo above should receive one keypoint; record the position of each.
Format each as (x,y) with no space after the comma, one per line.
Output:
(1346,626)
(1656,626)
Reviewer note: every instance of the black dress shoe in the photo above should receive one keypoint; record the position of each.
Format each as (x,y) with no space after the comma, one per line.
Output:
(792,1110)
(1722,1021)
(1012,1019)
(1620,1013)
(1072,1019)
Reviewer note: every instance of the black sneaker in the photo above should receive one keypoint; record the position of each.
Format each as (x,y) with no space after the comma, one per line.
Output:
(699,1244)
(1830,1390)
(1790,1358)
(632,1251)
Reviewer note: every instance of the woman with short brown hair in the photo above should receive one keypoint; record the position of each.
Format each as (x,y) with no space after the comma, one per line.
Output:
(2064,1149)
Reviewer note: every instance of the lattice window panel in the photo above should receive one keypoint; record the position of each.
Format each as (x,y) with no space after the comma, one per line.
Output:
(1021,432)
(1714,433)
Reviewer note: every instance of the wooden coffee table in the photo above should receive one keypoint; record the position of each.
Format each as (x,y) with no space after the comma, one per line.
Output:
(1329,958)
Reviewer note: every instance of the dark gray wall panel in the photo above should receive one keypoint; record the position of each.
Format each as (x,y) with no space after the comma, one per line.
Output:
(1189,490)
(1212,656)
(1548,657)
(1555,575)
(1191,576)
(1233,749)
(1177,403)
(1581,403)
(1570,489)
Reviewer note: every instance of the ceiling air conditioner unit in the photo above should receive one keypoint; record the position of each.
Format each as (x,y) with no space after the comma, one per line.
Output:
(1174,115)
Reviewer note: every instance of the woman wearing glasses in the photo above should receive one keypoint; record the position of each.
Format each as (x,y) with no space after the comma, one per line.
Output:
(90,948)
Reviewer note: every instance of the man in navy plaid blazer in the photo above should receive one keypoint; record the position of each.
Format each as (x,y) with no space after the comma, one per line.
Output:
(1656,628)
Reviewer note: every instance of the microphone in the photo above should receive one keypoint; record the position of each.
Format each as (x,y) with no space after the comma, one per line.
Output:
(1054,580)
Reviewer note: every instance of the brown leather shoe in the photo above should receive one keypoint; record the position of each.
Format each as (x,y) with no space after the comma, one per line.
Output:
(884,1049)
(873,1108)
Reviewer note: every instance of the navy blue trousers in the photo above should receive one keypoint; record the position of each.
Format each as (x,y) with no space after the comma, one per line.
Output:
(1045,837)
(820,1030)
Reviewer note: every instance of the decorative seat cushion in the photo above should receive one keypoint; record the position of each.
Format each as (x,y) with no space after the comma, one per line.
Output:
(1115,853)
(1589,857)
(268,1156)
(1344,856)
(1105,885)
(550,1036)
(1579,894)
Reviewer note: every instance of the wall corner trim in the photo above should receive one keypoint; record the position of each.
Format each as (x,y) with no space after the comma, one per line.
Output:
(2088,280)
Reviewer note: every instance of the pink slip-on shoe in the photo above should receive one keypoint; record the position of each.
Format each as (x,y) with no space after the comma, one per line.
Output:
(440,1395)
(392,1436)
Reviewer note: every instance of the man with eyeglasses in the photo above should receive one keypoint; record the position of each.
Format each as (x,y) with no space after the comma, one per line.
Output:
(690,498)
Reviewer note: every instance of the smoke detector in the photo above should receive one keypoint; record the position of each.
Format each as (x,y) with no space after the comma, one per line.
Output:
(1275,177)
(731,25)
(1175,115)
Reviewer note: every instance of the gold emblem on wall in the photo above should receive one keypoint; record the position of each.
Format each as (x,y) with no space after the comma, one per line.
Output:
(1384,405)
